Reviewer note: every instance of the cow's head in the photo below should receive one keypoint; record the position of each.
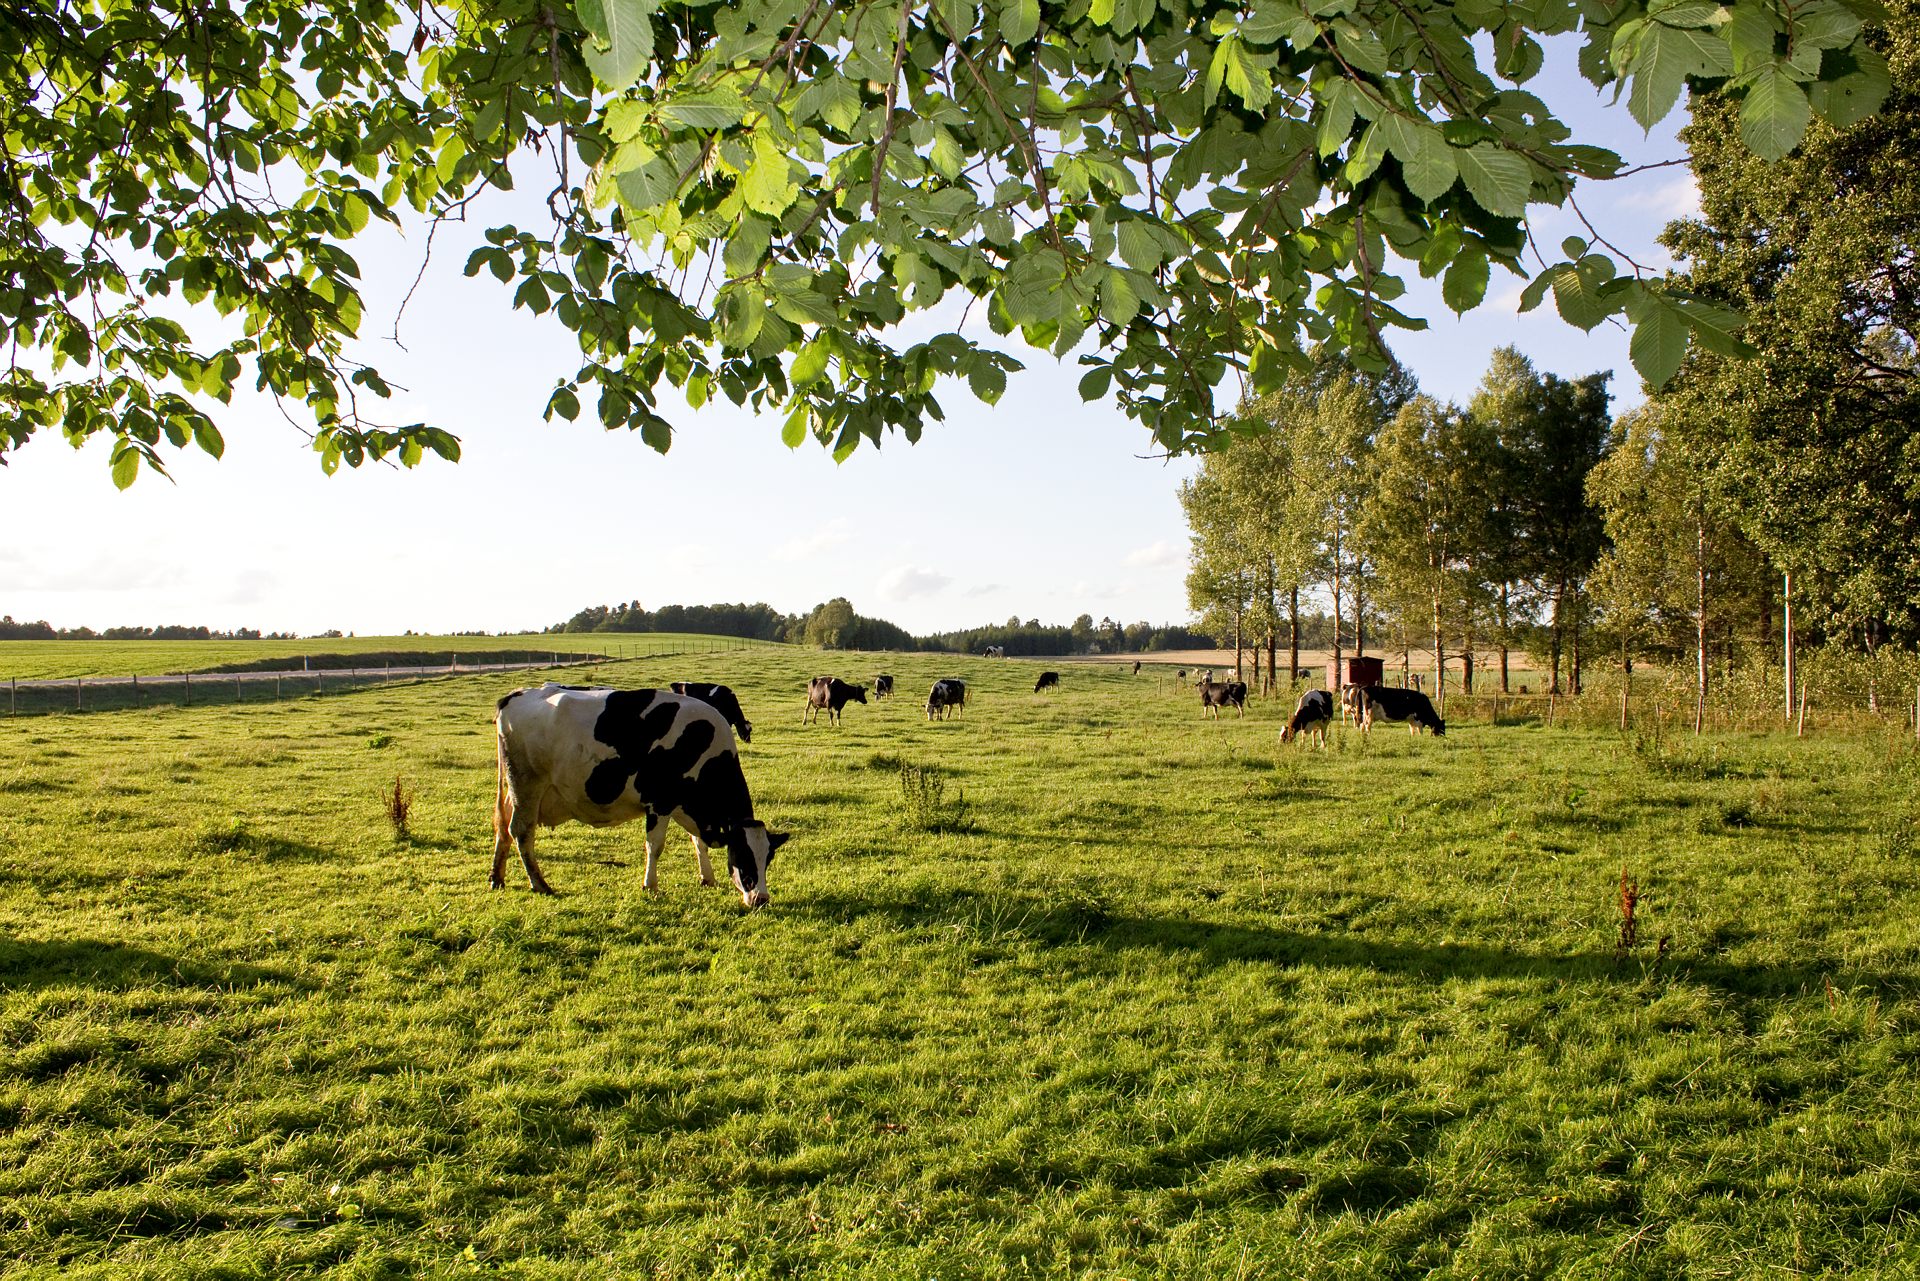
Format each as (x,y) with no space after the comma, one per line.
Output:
(1287,733)
(1438,726)
(750,850)
(858,693)
(746,731)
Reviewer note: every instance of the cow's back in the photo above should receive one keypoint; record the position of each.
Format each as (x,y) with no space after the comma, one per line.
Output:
(606,756)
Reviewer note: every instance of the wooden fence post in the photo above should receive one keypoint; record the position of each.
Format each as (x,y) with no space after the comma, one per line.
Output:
(189,689)
(13,696)
(77,705)
(236,687)
(136,689)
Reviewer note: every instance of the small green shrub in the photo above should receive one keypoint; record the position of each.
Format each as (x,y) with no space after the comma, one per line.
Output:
(378,741)
(924,805)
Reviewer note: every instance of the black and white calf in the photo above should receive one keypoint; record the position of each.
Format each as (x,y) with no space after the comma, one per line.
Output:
(607,756)
(947,695)
(1311,715)
(1047,681)
(1382,703)
(721,700)
(1215,695)
(832,694)
(883,686)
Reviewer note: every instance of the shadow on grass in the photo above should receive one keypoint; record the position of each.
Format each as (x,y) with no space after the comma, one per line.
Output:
(26,964)
(1080,921)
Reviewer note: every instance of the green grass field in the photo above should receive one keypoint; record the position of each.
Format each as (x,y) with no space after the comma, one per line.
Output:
(1135,995)
(63,660)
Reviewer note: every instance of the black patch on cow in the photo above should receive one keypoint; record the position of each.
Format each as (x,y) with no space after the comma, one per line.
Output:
(1046,681)
(507,698)
(633,724)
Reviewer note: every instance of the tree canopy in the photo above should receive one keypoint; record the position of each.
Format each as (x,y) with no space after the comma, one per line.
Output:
(749,197)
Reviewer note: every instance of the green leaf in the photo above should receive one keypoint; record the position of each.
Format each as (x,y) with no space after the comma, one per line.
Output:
(1465,285)
(1659,340)
(747,247)
(126,465)
(1684,13)
(1578,292)
(1427,163)
(1139,247)
(1498,180)
(706,109)
(1774,115)
(795,429)
(987,379)
(1662,60)
(810,363)
(622,40)
(1852,98)
(1095,382)
(1019,20)
(768,186)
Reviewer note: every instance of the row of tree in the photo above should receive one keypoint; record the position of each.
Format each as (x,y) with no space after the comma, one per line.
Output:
(42,630)
(1765,498)
(834,624)
(1446,528)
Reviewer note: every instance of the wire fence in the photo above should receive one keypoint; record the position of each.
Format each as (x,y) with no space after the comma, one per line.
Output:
(321,674)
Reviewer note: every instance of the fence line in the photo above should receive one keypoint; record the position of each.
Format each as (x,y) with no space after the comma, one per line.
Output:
(88,694)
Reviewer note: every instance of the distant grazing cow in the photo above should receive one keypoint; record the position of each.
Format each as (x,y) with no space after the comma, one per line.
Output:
(607,756)
(1311,715)
(1136,667)
(721,700)
(1381,703)
(883,686)
(1047,681)
(1350,704)
(994,651)
(947,696)
(833,694)
(1215,695)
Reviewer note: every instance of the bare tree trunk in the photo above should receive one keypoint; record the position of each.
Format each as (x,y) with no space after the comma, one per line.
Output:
(1576,645)
(1293,631)
(1626,679)
(1700,626)
(1466,665)
(1506,634)
(1439,656)
(1559,596)
(1359,614)
(1789,657)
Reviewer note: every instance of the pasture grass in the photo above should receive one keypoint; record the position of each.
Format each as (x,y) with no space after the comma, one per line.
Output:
(1174,999)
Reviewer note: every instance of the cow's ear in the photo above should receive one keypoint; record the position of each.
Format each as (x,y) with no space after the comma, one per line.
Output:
(775,840)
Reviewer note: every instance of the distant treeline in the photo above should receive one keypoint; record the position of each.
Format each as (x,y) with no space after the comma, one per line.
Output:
(835,624)
(43,630)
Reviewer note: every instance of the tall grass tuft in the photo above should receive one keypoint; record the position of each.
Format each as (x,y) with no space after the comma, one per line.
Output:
(1629,913)
(924,805)
(399,806)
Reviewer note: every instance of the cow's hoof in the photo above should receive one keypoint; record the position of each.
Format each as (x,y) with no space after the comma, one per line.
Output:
(708,882)
(543,888)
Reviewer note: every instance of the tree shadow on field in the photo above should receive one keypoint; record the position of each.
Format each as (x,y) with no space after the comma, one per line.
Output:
(26,964)
(1073,919)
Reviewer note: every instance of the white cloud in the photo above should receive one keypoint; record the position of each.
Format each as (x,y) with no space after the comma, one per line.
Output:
(1677,197)
(1154,555)
(835,533)
(907,581)
(986,589)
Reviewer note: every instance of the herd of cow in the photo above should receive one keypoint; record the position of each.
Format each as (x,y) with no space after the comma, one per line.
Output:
(607,756)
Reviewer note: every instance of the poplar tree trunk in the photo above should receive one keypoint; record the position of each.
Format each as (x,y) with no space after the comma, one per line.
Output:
(1506,632)
(1787,641)
(1293,632)
(1700,627)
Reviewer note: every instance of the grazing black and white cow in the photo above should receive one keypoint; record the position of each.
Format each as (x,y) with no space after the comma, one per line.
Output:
(1047,681)
(883,686)
(607,756)
(947,696)
(1350,704)
(994,651)
(1215,695)
(1382,703)
(1311,715)
(721,700)
(1136,667)
(833,694)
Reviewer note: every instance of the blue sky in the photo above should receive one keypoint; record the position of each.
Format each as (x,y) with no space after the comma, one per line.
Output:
(1041,506)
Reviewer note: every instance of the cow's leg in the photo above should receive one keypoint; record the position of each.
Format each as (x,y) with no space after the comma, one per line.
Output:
(502,842)
(699,851)
(525,819)
(656,840)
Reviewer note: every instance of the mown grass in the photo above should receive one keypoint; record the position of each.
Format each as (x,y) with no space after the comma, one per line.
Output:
(1173,1000)
(64,659)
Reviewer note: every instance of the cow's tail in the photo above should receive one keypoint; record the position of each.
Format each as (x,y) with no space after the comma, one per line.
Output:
(502,811)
